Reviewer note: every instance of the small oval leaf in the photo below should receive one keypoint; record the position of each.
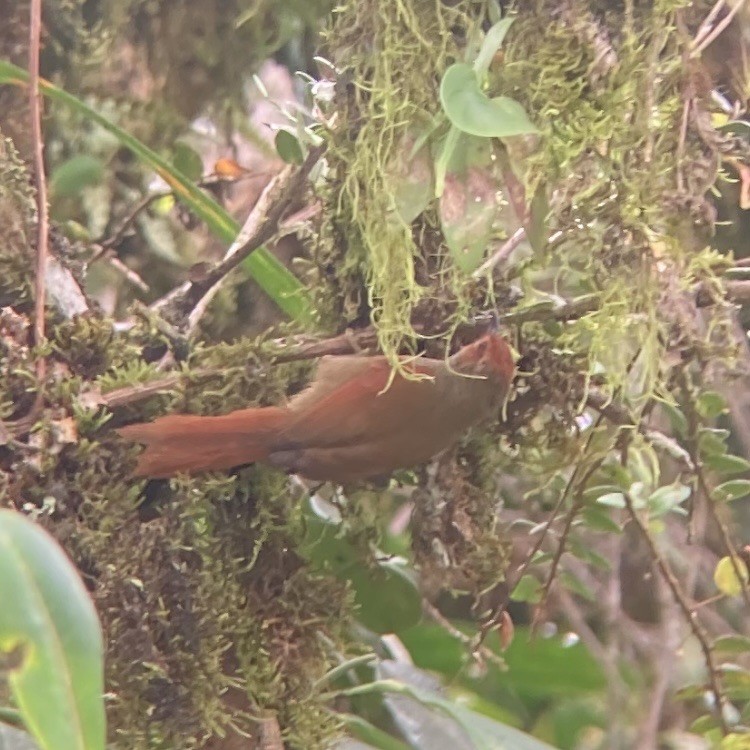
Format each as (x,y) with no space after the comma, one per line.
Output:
(727,463)
(725,576)
(288,147)
(734,489)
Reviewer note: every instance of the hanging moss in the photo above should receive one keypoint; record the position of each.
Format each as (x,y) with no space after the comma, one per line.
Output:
(391,55)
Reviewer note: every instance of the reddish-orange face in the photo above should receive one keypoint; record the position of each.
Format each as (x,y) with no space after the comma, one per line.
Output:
(489,356)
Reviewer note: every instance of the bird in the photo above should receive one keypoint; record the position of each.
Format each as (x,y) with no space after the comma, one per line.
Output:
(358,420)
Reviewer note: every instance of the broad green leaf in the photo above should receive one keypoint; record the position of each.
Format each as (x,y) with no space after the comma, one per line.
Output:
(711,442)
(574,584)
(484,733)
(491,44)
(270,273)
(549,667)
(676,418)
(736,681)
(593,493)
(589,555)
(734,489)
(288,147)
(72,176)
(410,174)
(468,211)
(725,576)
(386,593)
(187,161)
(48,617)
(470,110)
(735,741)
(387,596)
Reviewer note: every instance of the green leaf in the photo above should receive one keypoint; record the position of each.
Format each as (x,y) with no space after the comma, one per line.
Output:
(187,161)
(52,623)
(370,734)
(75,174)
(271,274)
(386,593)
(387,596)
(410,174)
(612,500)
(727,463)
(710,405)
(484,733)
(491,44)
(725,576)
(468,212)
(667,498)
(733,489)
(676,418)
(600,520)
(577,586)
(732,644)
(470,110)
(528,589)
(288,147)
(711,442)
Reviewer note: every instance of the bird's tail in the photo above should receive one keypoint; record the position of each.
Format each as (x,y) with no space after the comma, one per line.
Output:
(191,444)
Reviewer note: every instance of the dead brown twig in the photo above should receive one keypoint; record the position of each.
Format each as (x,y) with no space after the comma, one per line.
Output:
(42,224)
(260,227)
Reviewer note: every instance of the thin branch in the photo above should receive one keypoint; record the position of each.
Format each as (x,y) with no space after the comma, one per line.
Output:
(700,43)
(42,249)
(118,234)
(260,227)
(502,253)
(690,616)
(477,650)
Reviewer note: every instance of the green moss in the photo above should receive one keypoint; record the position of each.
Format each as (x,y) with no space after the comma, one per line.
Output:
(17,228)
(391,53)
(212,621)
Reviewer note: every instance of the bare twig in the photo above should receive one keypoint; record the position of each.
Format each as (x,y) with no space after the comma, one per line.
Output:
(42,224)
(690,616)
(708,37)
(116,264)
(502,253)
(476,649)
(117,235)
(260,226)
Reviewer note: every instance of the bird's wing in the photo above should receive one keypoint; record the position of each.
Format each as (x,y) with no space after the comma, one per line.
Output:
(346,402)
